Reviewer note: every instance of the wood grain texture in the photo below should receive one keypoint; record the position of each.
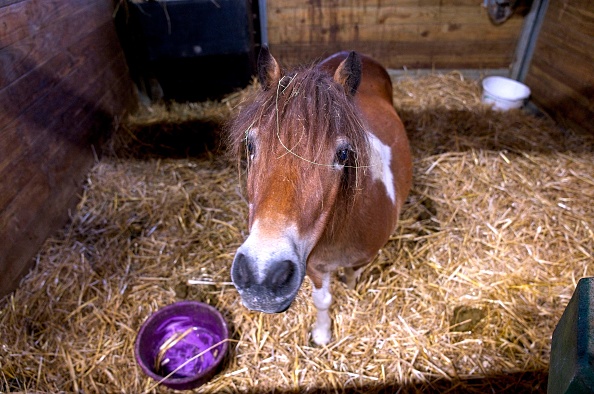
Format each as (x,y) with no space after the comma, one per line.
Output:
(561,74)
(424,33)
(44,43)
(63,78)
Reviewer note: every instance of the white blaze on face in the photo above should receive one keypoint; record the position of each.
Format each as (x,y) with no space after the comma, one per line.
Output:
(381,158)
(264,248)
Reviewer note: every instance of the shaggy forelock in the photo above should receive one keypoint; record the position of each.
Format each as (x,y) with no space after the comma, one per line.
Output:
(305,115)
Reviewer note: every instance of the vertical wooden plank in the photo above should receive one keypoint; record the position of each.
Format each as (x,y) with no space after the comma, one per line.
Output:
(560,75)
(61,61)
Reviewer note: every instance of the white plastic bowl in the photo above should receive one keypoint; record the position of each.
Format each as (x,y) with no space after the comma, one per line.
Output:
(504,93)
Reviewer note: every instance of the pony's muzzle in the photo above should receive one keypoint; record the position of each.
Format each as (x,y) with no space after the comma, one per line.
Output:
(269,286)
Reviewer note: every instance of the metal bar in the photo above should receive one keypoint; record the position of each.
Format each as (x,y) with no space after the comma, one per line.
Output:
(263,22)
(528,38)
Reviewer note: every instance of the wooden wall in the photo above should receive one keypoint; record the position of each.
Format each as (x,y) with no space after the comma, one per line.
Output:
(399,33)
(62,80)
(561,74)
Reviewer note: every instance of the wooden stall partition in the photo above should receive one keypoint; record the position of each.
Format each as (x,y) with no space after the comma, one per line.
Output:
(561,74)
(63,78)
(399,33)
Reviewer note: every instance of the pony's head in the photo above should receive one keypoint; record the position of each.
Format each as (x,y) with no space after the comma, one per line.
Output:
(305,143)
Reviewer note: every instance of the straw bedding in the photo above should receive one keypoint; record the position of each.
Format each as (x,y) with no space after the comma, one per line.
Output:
(464,297)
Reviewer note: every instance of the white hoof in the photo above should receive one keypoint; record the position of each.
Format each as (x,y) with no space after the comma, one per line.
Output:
(321,335)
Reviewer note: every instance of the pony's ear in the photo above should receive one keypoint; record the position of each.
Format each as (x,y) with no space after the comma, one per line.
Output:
(348,73)
(269,72)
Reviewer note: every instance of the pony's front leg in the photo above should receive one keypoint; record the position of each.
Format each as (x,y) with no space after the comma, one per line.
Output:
(322,298)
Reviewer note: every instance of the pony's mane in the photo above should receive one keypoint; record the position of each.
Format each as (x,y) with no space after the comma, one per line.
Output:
(306,113)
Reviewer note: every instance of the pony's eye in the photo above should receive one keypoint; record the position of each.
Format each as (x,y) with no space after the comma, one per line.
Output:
(251,148)
(342,155)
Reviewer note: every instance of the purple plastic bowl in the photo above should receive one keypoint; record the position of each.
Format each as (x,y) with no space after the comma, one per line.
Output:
(191,327)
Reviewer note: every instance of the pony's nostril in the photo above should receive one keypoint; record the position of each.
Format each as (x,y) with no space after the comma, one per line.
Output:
(282,275)
(240,272)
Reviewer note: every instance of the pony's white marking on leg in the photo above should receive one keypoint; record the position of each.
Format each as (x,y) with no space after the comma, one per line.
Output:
(381,158)
(322,298)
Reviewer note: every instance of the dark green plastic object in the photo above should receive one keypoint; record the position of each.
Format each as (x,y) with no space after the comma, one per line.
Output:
(571,370)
